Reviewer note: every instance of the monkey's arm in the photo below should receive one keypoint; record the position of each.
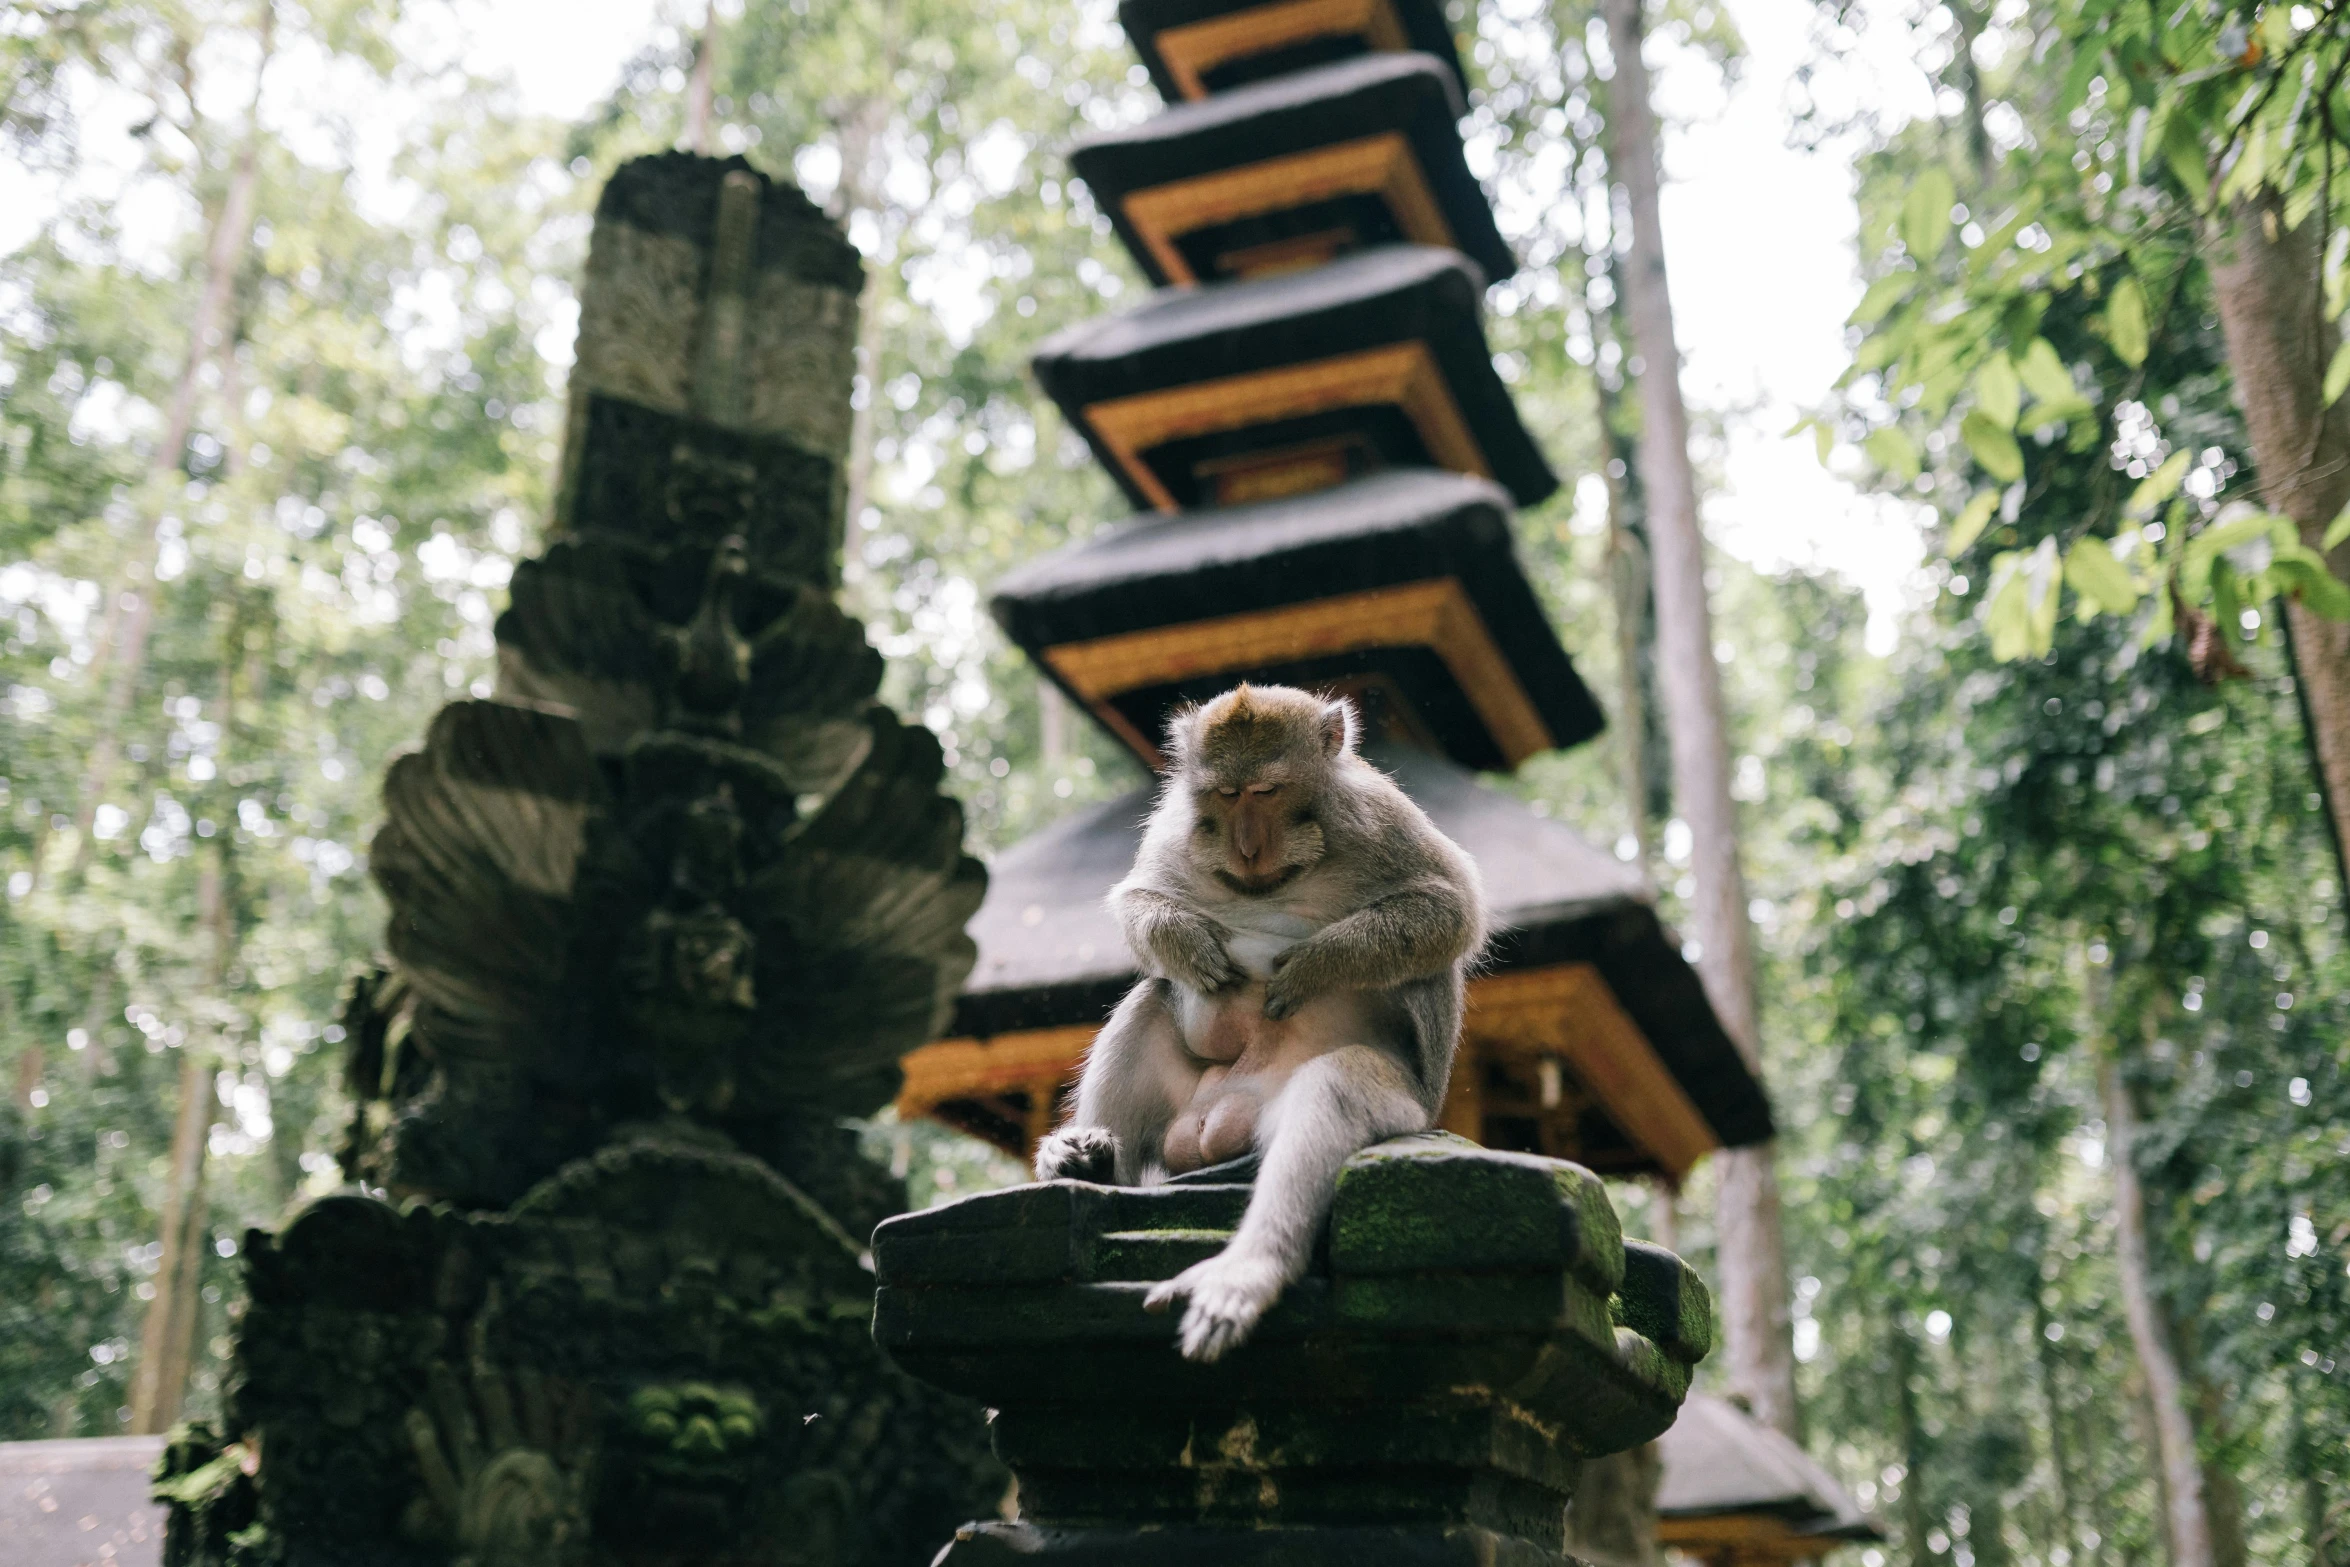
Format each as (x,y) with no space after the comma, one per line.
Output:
(1171,935)
(1415,932)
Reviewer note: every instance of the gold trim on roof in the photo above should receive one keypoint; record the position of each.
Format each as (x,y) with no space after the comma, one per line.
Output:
(1196,48)
(1746,1539)
(1567,1013)
(1381,166)
(1403,375)
(1563,1014)
(1434,614)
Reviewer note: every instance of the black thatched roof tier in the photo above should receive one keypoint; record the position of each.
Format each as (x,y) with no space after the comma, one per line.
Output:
(1196,47)
(1220,392)
(1405,586)
(1050,955)
(1297,169)
(1733,1484)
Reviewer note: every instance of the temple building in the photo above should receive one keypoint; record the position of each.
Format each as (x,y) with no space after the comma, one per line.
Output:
(1736,1493)
(1326,468)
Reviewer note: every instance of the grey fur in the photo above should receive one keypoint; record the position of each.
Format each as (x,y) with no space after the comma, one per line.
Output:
(1392,913)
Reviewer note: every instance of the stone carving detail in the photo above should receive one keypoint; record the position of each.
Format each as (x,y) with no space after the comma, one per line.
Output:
(664,912)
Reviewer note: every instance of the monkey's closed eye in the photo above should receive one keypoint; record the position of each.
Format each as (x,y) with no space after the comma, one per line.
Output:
(1229,794)
(1270,788)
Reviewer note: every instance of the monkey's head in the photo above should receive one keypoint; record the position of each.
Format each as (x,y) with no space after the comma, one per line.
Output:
(1257,763)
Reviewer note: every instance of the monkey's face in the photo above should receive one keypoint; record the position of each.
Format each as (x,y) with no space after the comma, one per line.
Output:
(1255,830)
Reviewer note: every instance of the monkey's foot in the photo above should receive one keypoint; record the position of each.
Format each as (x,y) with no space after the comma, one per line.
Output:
(1228,1293)
(1078,1153)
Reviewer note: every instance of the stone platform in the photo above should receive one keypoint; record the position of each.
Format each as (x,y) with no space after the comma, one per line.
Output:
(1474,1325)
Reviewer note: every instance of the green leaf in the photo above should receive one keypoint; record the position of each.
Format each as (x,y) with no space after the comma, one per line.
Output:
(2044,576)
(2160,485)
(1879,349)
(1998,392)
(1925,215)
(2227,605)
(2251,167)
(1971,523)
(2159,624)
(2303,572)
(2225,535)
(2182,150)
(2007,610)
(2125,322)
(1881,297)
(2019,321)
(1993,447)
(2336,533)
(2020,606)
(2045,375)
(2099,578)
(1823,437)
(2337,374)
(1893,451)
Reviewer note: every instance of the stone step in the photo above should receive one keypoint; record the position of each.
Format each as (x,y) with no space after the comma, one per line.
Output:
(1129,1256)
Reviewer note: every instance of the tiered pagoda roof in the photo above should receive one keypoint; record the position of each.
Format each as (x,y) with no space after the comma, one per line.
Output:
(1295,170)
(1308,416)
(1296,380)
(1196,47)
(1735,1493)
(1419,605)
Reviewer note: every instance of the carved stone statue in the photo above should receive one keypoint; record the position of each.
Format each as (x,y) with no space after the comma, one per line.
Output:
(665,911)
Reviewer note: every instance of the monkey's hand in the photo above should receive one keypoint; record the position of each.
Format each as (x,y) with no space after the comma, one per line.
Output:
(1171,935)
(1407,935)
(1192,951)
(1299,975)
(1078,1153)
(1228,1293)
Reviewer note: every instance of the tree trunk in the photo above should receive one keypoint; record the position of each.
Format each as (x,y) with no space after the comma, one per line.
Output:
(2310,1470)
(2223,1492)
(2060,1455)
(122,655)
(698,87)
(2188,1516)
(1915,1526)
(167,1335)
(1750,1253)
(2265,277)
(1627,559)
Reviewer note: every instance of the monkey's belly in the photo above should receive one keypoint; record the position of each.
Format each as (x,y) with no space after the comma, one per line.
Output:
(1253,1059)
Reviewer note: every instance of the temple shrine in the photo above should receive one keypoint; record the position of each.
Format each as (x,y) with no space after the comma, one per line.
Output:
(1326,467)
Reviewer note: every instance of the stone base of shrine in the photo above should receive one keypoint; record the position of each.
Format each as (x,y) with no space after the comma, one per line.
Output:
(1190,1545)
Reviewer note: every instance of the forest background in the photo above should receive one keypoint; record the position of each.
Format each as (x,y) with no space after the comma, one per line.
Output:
(280,352)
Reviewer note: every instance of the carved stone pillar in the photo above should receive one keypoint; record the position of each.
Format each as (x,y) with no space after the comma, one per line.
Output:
(663,913)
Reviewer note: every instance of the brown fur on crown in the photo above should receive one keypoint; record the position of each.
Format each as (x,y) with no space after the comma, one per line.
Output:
(1249,728)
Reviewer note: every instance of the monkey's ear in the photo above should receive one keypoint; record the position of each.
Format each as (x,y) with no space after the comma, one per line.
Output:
(1340,728)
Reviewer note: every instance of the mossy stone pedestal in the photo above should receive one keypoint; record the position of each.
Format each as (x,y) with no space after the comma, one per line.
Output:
(1474,1326)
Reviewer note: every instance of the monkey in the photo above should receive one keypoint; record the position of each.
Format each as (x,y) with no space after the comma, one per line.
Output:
(1305,935)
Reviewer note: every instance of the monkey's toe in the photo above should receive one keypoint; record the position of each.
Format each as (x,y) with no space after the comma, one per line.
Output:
(1078,1153)
(1227,1296)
